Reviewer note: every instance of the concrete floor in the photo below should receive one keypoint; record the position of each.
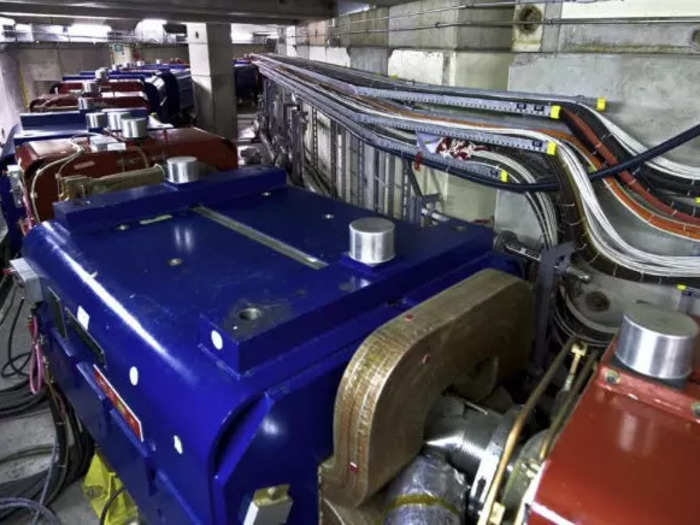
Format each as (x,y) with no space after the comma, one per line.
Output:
(36,428)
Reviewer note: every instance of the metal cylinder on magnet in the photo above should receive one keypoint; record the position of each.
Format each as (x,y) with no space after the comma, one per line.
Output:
(101,74)
(372,240)
(134,127)
(114,119)
(182,169)
(85,103)
(96,120)
(91,88)
(657,343)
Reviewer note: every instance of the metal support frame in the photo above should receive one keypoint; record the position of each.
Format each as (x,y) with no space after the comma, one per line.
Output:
(314,137)
(358,173)
(334,158)
(552,261)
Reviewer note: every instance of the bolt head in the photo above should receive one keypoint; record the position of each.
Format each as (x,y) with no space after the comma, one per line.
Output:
(695,407)
(612,377)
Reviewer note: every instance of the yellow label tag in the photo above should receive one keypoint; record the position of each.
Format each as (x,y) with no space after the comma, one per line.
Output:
(504,176)
(601,104)
(682,287)
(551,148)
(554,112)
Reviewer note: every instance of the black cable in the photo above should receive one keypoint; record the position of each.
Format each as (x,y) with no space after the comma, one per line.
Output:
(38,450)
(53,479)
(108,503)
(25,503)
(10,359)
(8,369)
(9,306)
(651,153)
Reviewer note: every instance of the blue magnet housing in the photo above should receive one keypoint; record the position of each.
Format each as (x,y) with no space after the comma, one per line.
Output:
(222,313)
(53,125)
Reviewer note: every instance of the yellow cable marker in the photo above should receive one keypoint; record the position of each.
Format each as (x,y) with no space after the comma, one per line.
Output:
(551,148)
(682,287)
(697,200)
(601,104)
(554,111)
(504,176)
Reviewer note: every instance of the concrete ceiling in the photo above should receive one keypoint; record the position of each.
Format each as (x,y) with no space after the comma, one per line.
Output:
(223,11)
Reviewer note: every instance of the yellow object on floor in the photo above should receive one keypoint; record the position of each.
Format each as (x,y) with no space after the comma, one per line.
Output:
(100,483)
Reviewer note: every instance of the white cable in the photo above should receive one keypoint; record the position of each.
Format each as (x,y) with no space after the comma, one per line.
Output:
(544,200)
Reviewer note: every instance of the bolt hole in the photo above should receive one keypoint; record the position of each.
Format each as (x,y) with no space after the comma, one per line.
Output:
(250,314)
(597,301)
(530,18)
(695,38)
(328,216)
(175,261)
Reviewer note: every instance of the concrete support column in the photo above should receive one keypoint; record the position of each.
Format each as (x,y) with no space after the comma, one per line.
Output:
(122,53)
(211,53)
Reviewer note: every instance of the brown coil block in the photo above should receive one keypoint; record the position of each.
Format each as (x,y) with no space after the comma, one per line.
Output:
(400,370)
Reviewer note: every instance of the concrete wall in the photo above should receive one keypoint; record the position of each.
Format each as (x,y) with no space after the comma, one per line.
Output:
(651,96)
(648,72)
(150,53)
(10,93)
(43,64)
(29,70)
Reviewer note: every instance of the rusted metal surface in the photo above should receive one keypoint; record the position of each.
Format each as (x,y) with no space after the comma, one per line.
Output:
(67,86)
(629,454)
(114,99)
(400,370)
(212,150)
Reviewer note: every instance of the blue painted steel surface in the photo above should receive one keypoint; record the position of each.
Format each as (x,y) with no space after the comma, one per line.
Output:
(258,410)
(58,124)
(169,89)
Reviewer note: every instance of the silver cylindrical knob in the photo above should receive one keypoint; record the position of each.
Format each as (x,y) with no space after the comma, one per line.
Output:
(96,120)
(91,88)
(101,74)
(114,118)
(134,127)
(140,63)
(182,169)
(657,343)
(372,240)
(86,104)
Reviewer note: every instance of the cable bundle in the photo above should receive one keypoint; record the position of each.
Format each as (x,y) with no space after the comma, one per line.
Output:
(652,188)
(72,448)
